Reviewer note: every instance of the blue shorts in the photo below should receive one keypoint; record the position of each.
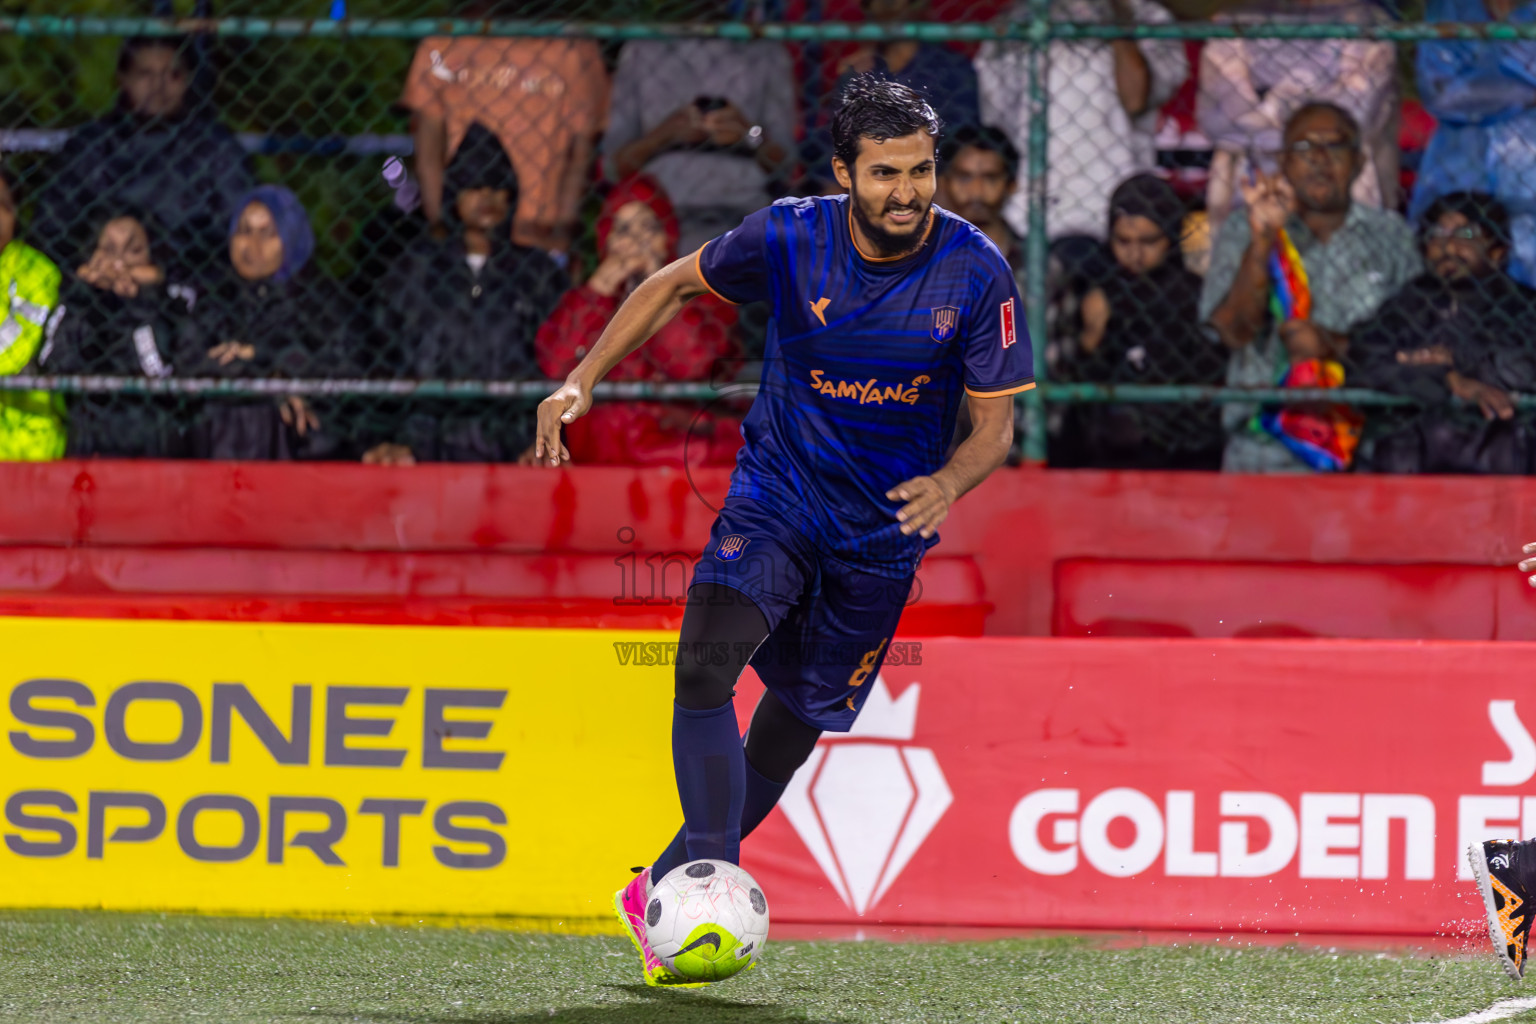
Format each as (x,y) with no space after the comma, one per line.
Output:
(830,624)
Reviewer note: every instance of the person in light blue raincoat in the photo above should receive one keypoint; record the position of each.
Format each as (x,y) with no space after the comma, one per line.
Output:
(1484,96)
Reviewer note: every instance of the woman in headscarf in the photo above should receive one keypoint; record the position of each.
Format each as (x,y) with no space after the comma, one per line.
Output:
(118,316)
(266,318)
(636,236)
(1141,325)
(465,308)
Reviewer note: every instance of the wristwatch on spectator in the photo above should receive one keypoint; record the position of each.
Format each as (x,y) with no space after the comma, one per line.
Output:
(752,141)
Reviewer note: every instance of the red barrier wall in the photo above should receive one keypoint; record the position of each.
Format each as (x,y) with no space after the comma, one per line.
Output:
(1329,786)
(1029,552)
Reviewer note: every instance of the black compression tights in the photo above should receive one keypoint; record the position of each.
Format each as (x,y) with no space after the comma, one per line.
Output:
(721,628)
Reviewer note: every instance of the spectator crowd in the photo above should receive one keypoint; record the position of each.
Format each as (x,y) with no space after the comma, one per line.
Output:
(1304,246)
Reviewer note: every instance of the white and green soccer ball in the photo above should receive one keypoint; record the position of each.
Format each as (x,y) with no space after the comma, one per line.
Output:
(707,920)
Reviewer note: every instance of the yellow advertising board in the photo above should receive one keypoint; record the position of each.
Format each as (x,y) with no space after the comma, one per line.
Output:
(330,769)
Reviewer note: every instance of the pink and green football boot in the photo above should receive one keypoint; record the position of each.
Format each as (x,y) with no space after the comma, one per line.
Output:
(630,904)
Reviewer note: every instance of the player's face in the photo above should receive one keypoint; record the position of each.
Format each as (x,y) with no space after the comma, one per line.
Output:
(976,185)
(891,186)
(483,208)
(256,247)
(123,241)
(155,83)
(7,215)
(1454,248)
(1139,245)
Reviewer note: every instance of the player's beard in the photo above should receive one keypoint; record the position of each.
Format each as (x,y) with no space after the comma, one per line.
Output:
(889,243)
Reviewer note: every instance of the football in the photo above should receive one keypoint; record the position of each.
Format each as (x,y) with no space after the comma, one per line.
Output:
(707,920)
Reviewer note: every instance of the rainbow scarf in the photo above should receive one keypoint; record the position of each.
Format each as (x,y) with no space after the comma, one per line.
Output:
(1324,437)
(1290,297)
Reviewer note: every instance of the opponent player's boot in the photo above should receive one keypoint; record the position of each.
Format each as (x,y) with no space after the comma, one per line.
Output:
(630,904)
(1498,866)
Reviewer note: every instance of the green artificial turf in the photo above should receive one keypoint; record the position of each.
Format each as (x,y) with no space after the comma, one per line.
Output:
(67,966)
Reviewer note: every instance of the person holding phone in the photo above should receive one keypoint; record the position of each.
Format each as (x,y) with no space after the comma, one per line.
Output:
(710,120)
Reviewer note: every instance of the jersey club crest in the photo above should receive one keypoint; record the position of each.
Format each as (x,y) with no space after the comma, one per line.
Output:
(731,547)
(945,319)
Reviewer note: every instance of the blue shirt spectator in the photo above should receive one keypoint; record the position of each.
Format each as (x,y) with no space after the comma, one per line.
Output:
(1484,96)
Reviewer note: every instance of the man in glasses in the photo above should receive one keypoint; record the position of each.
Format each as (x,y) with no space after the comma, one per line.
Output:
(1460,329)
(1355,257)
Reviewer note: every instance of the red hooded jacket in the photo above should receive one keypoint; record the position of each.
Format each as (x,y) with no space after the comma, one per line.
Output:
(686,349)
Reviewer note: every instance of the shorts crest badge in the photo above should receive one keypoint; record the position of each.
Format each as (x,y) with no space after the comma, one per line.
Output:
(945,319)
(731,547)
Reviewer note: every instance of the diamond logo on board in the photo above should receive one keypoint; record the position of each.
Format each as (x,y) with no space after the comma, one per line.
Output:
(863,803)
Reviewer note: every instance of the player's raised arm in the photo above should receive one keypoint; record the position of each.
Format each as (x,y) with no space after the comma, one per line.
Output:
(648,308)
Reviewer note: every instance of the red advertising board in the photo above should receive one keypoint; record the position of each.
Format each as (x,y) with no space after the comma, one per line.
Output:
(1029,552)
(1314,786)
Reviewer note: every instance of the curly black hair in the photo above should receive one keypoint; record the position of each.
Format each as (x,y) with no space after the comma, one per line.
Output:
(874,107)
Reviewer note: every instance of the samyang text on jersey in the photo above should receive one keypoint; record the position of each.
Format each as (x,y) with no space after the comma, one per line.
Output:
(866,363)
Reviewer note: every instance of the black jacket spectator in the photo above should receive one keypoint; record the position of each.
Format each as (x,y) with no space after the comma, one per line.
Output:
(1141,326)
(467,307)
(387,233)
(118,316)
(267,318)
(1462,330)
(152,153)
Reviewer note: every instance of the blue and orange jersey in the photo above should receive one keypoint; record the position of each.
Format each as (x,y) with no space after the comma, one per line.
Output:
(867,361)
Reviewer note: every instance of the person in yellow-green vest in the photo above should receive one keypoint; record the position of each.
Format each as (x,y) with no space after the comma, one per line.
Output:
(31,422)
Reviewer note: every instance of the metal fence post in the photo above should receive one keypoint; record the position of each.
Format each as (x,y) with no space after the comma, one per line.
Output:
(1036,245)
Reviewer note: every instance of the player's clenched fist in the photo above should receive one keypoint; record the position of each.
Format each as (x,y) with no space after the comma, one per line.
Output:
(927,504)
(1529,565)
(571,400)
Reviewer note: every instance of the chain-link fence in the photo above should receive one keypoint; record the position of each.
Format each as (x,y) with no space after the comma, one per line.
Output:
(1272,236)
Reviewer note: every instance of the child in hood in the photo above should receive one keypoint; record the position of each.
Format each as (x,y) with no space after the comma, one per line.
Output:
(465,307)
